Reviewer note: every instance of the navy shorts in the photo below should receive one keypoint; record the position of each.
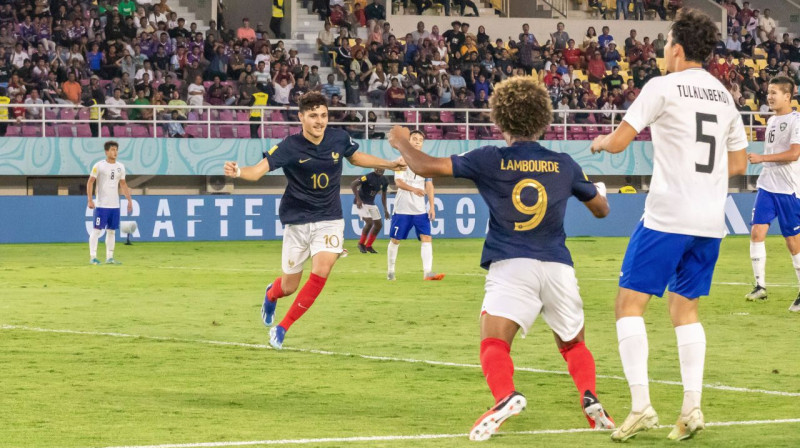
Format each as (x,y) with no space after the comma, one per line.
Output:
(402,224)
(786,207)
(657,260)
(106,218)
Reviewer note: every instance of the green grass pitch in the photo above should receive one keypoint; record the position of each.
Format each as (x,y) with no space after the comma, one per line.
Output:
(155,377)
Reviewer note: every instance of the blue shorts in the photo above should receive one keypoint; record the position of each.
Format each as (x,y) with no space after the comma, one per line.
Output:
(786,207)
(402,224)
(657,260)
(106,218)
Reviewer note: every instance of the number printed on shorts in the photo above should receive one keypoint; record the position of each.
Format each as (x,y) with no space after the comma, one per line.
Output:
(97,222)
(320,181)
(332,241)
(535,211)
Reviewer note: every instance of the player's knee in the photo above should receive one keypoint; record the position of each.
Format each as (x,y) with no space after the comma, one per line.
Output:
(426,238)
(376,226)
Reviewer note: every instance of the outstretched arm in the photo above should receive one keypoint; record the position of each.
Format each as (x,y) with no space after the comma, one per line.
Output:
(791,155)
(616,141)
(419,162)
(365,160)
(251,173)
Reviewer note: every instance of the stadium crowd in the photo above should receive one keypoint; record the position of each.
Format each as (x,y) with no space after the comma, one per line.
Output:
(127,53)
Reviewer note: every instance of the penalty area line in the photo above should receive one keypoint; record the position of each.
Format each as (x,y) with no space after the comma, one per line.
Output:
(722,387)
(424,436)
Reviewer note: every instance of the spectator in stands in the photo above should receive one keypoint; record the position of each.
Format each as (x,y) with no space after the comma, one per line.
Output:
(330,89)
(378,84)
(71,89)
(375,11)
(175,127)
(352,89)
(196,91)
(612,56)
(560,38)
(454,37)
(596,68)
(112,112)
(314,81)
(463,4)
(605,38)
(218,66)
(126,8)
(766,26)
(33,113)
(614,80)
(325,44)
(622,7)
(283,89)
(246,32)
(600,6)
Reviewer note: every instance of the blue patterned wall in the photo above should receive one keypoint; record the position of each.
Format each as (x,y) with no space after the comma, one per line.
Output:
(36,156)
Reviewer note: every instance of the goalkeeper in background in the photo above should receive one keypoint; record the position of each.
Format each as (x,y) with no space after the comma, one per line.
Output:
(526,188)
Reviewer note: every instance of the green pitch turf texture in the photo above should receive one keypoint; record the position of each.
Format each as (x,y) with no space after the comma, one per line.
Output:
(61,389)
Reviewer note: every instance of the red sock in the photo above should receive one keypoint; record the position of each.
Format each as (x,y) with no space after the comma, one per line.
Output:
(362,239)
(371,239)
(275,292)
(580,364)
(305,298)
(498,368)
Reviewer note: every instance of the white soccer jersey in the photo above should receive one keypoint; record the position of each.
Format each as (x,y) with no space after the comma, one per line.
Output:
(781,177)
(406,202)
(694,124)
(108,176)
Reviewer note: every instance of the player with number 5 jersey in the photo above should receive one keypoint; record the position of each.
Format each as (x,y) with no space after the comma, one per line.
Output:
(698,142)
(310,210)
(526,188)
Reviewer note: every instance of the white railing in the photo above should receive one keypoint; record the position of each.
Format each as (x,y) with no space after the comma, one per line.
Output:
(274,122)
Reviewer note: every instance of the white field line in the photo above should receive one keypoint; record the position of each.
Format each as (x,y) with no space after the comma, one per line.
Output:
(376,358)
(421,436)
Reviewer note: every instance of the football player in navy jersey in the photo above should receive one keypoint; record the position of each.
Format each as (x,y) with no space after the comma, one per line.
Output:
(365,188)
(526,188)
(310,209)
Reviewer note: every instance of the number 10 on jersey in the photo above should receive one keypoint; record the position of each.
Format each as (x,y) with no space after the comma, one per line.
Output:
(320,181)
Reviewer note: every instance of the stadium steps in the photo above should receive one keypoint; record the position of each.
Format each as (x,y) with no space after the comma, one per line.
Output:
(187,13)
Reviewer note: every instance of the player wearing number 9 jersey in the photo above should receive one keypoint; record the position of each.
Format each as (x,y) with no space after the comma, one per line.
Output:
(310,209)
(698,142)
(526,188)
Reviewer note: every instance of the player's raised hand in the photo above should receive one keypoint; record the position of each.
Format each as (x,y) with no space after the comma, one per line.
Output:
(232,169)
(398,134)
(597,144)
(755,158)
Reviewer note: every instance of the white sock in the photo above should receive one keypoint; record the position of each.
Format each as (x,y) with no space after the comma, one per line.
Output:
(758,257)
(110,243)
(94,237)
(692,353)
(426,251)
(391,255)
(796,264)
(633,350)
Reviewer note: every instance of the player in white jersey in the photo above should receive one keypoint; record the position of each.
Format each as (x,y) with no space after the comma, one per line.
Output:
(778,185)
(109,176)
(410,211)
(698,142)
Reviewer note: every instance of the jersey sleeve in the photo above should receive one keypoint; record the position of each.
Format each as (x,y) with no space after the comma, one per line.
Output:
(350,145)
(279,155)
(737,137)
(794,137)
(582,188)
(122,172)
(93,172)
(646,107)
(470,164)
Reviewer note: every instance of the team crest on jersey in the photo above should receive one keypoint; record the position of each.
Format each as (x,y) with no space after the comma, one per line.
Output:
(291,263)
(335,156)
(783,127)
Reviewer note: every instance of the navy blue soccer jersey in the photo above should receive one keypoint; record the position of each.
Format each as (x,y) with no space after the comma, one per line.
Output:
(371,184)
(526,188)
(313,172)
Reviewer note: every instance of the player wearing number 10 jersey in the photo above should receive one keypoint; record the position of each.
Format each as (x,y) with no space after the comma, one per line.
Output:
(311,209)
(698,141)
(526,188)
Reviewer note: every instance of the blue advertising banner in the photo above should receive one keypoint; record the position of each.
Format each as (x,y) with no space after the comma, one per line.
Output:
(37,156)
(48,219)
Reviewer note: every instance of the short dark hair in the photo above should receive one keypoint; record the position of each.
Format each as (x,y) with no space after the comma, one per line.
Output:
(109,144)
(311,100)
(696,33)
(785,83)
(417,131)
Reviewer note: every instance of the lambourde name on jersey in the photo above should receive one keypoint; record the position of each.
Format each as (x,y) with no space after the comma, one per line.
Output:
(529,166)
(701,93)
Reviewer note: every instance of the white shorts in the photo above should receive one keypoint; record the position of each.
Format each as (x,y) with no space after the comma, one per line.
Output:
(369,211)
(519,289)
(302,241)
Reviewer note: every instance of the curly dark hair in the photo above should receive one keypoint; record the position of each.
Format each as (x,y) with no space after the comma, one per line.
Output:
(785,83)
(696,33)
(521,107)
(312,100)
